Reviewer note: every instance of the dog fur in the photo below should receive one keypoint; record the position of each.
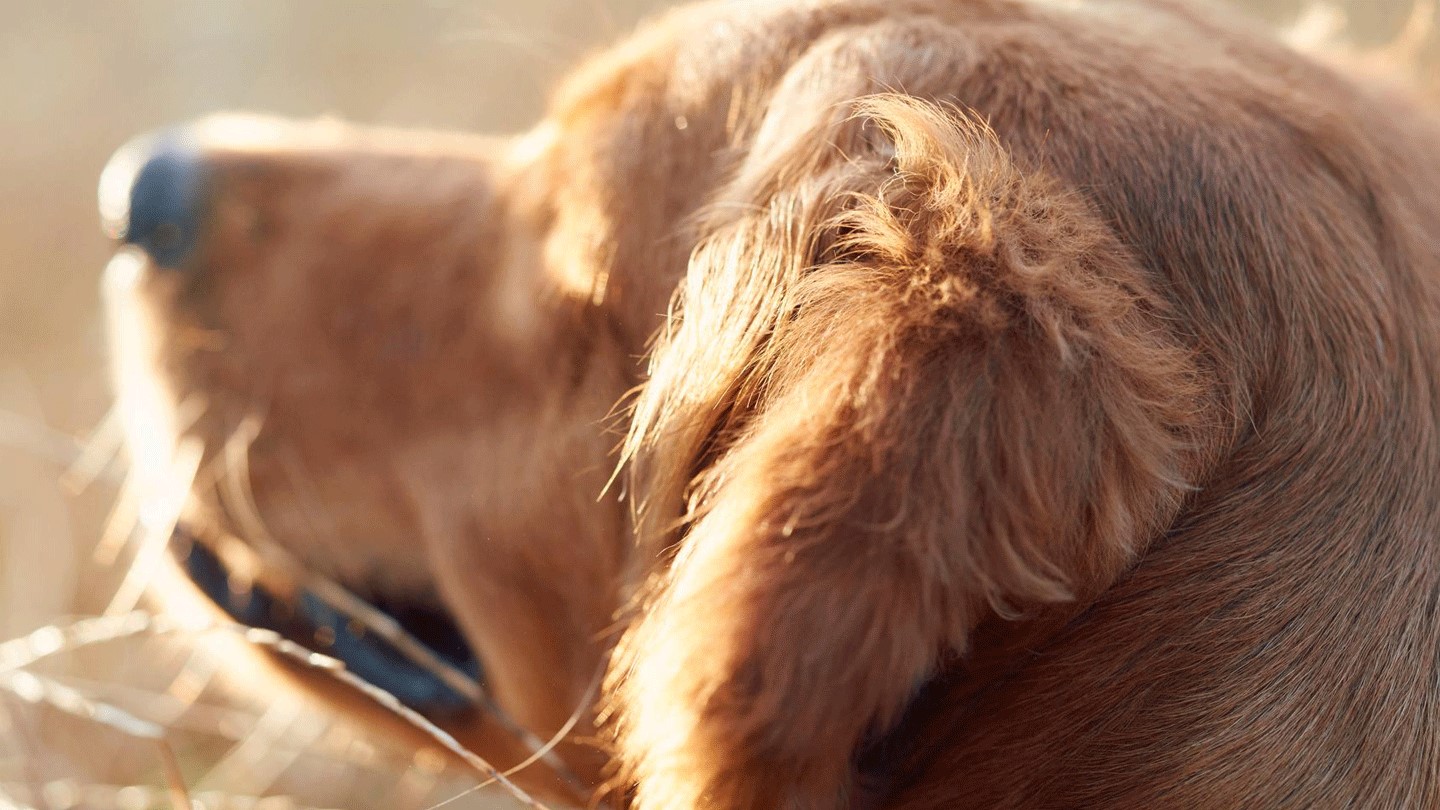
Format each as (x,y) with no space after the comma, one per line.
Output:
(1034,404)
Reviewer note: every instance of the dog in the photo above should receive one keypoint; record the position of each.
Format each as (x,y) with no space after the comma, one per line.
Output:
(907,404)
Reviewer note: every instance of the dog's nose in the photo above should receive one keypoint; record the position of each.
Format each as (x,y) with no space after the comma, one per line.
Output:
(153,195)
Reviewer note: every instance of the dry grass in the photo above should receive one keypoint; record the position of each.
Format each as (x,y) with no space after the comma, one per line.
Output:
(138,717)
(131,711)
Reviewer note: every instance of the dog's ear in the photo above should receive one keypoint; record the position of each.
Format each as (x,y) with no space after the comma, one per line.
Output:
(908,385)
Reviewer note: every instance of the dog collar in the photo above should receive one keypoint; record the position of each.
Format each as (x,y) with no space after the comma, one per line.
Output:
(310,621)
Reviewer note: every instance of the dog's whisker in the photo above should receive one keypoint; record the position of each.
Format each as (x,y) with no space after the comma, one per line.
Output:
(586,702)
(235,490)
(274,557)
(322,523)
(386,627)
(336,669)
(541,753)
(97,452)
(158,514)
(141,485)
(119,525)
(189,411)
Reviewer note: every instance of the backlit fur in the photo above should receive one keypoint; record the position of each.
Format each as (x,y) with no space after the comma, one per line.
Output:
(1017,403)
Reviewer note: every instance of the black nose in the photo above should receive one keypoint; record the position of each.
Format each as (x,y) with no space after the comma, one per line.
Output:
(153,196)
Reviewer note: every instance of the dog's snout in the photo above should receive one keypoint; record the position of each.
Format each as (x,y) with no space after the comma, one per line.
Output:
(153,196)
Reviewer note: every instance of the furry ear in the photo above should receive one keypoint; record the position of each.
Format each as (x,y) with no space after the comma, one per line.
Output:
(909,385)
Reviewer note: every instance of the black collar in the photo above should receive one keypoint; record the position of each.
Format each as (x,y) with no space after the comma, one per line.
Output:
(308,620)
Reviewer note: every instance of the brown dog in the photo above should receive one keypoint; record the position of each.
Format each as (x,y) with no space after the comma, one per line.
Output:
(1044,416)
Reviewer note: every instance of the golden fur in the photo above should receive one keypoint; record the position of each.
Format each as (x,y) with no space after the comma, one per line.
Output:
(1034,404)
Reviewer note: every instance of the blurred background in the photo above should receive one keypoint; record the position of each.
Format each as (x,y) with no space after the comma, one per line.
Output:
(80,77)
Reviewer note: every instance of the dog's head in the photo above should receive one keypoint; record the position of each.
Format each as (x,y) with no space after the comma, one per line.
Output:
(409,357)
(380,344)
(406,354)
